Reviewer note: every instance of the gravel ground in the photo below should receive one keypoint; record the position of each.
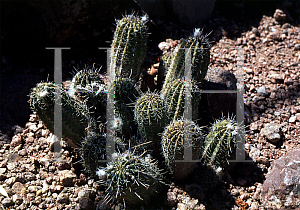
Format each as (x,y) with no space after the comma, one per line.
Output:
(272,89)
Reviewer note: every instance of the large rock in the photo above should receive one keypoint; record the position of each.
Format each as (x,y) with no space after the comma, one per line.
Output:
(281,189)
(214,105)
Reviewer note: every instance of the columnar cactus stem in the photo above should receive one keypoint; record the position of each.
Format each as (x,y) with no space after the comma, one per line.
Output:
(199,47)
(125,95)
(151,115)
(75,114)
(129,46)
(172,143)
(220,143)
(174,96)
(89,87)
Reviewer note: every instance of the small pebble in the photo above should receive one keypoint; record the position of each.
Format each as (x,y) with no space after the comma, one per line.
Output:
(7,202)
(292,119)
(262,91)
(297,47)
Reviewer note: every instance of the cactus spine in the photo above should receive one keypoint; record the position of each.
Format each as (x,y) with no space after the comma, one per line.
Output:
(130,178)
(199,48)
(220,142)
(129,46)
(75,114)
(172,143)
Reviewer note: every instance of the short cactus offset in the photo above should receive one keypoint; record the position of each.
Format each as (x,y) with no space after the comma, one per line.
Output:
(174,94)
(88,86)
(75,114)
(129,46)
(172,143)
(220,142)
(130,178)
(93,150)
(151,115)
(199,48)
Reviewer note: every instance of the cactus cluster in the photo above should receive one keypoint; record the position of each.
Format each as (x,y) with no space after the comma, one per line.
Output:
(151,123)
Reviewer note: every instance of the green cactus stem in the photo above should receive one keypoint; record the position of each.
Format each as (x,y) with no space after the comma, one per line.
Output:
(172,143)
(151,115)
(174,95)
(164,65)
(129,46)
(125,95)
(88,86)
(75,114)
(93,152)
(199,48)
(130,178)
(220,142)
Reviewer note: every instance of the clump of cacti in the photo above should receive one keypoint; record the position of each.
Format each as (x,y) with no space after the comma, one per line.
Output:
(130,178)
(128,48)
(75,114)
(155,121)
(172,142)
(220,142)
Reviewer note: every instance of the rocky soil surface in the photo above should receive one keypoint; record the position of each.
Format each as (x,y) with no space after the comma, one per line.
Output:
(271,55)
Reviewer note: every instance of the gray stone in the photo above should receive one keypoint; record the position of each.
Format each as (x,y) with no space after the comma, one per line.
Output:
(262,91)
(292,119)
(181,206)
(281,189)
(7,202)
(271,131)
(67,178)
(17,199)
(297,47)
(2,170)
(63,198)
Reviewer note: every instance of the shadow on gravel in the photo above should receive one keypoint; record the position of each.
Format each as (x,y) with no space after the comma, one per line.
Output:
(213,189)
